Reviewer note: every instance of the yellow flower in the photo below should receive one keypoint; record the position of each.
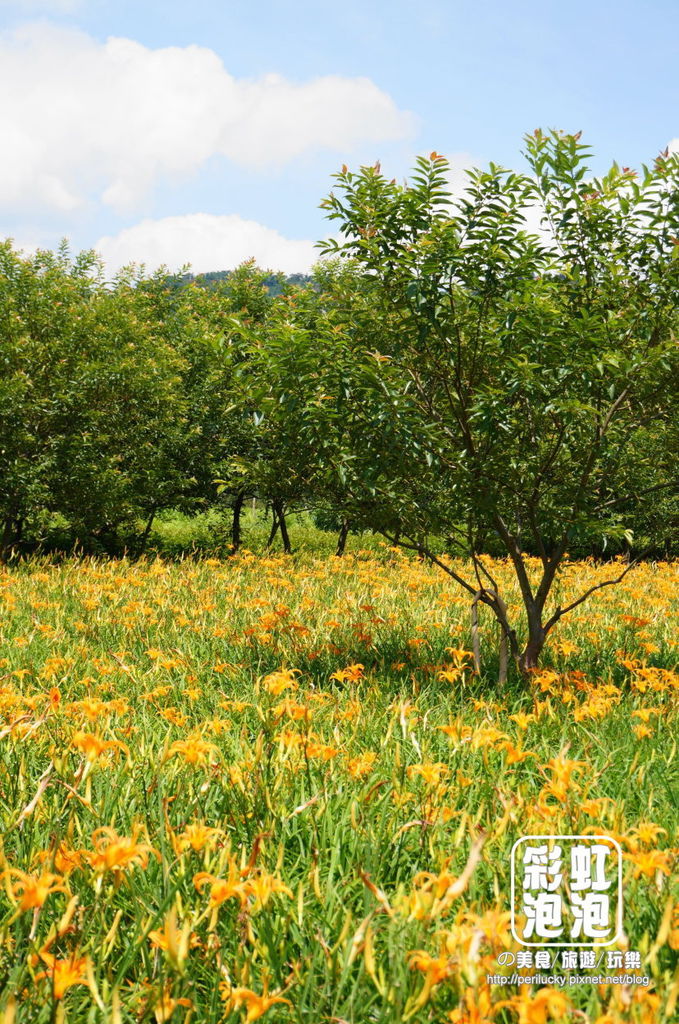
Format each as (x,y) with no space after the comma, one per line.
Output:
(642,732)
(263,886)
(223,889)
(522,719)
(277,682)
(457,732)
(255,1004)
(64,974)
(321,751)
(294,710)
(545,1005)
(117,853)
(417,905)
(362,765)
(437,969)
(350,674)
(651,862)
(432,773)
(475,1008)
(488,736)
(673,937)
(594,808)
(93,746)
(645,713)
(645,833)
(173,940)
(33,889)
(197,836)
(194,749)
(174,716)
(460,655)
(515,755)
(166,1006)
(562,768)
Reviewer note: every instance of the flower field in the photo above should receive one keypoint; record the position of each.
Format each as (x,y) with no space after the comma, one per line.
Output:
(275,788)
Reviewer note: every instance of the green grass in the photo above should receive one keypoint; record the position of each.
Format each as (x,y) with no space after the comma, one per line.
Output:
(170,649)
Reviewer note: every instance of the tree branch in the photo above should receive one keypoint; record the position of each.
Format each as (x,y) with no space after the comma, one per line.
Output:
(423,550)
(560,612)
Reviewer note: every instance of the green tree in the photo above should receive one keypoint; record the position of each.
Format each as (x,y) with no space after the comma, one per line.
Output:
(124,418)
(495,387)
(91,405)
(44,300)
(223,357)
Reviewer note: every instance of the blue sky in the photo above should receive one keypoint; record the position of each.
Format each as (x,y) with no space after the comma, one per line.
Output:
(207,132)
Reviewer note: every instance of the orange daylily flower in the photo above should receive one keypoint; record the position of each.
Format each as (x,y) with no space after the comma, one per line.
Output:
(547,1004)
(437,969)
(223,889)
(197,836)
(350,674)
(256,1005)
(263,886)
(172,939)
(277,682)
(166,1006)
(33,890)
(117,853)
(431,772)
(651,862)
(515,755)
(93,746)
(475,1008)
(194,750)
(64,974)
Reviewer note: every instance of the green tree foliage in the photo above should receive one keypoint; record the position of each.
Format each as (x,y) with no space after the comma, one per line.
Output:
(122,400)
(228,450)
(92,407)
(499,384)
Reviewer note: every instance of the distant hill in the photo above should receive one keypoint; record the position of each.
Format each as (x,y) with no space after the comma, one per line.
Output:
(274,283)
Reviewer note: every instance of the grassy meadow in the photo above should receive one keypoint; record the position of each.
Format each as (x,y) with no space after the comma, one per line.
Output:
(274,787)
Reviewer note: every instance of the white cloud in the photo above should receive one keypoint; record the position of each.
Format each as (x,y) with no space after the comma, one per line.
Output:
(673,145)
(458,181)
(85,121)
(459,164)
(206,241)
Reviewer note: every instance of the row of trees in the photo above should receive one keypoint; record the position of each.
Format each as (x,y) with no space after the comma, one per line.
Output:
(117,401)
(448,378)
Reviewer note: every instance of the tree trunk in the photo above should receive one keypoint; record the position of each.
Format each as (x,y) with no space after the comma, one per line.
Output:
(274,528)
(145,535)
(531,653)
(235,527)
(476,642)
(342,539)
(503,659)
(6,542)
(287,548)
(507,636)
